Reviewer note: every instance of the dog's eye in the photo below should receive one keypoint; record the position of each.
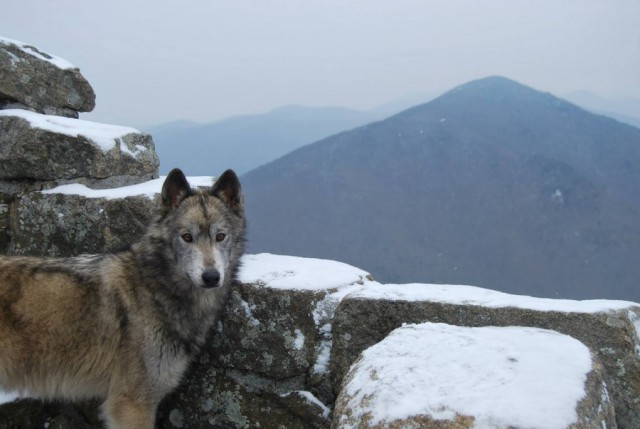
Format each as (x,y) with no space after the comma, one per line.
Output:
(220,236)
(187,237)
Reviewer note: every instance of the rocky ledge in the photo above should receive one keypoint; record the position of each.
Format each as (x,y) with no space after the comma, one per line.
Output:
(308,343)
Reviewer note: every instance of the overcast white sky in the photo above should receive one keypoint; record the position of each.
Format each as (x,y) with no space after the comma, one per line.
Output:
(153,61)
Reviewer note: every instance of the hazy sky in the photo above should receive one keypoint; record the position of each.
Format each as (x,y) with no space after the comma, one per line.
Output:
(153,61)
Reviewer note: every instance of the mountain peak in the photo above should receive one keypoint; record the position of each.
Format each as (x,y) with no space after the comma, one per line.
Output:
(500,88)
(495,81)
(489,185)
(493,96)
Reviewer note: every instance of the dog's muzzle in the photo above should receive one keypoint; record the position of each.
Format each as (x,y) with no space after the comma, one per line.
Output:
(211,278)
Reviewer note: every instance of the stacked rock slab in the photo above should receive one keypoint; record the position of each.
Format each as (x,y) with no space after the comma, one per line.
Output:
(439,376)
(52,148)
(608,328)
(43,145)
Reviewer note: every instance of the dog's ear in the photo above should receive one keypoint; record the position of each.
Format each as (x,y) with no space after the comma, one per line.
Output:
(175,189)
(228,189)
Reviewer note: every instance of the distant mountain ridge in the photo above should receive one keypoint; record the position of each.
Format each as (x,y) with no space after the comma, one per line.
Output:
(492,184)
(246,142)
(627,111)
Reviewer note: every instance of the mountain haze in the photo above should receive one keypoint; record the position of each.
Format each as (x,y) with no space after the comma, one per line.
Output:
(492,184)
(627,111)
(246,142)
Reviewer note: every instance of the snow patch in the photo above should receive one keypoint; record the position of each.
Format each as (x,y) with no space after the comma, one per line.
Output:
(471,295)
(35,52)
(309,397)
(322,316)
(503,376)
(323,357)
(635,319)
(249,313)
(298,342)
(105,136)
(14,59)
(148,189)
(297,273)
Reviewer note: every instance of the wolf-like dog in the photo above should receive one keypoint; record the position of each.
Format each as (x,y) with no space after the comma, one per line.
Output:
(124,326)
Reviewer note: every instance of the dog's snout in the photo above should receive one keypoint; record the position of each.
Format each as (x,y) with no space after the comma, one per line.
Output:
(211,277)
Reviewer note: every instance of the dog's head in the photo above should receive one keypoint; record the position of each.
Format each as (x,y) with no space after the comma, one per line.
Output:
(206,227)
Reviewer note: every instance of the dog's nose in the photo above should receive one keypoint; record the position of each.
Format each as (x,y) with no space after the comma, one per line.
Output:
(211,277)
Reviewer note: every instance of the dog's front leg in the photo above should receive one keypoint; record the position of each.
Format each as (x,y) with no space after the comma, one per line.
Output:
(129,412)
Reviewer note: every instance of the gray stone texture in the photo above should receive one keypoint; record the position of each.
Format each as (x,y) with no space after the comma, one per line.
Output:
(39,85)
(221,398)
(65,225)
(260,331)
(5,237)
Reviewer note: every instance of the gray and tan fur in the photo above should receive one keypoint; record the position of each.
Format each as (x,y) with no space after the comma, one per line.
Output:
(124,326)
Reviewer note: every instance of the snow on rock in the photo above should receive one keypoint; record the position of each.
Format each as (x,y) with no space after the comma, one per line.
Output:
(149,188)
(289,273)
(635,319)
(298,342)
(489,377)
(33,79)
(309,397)
(297,273)
(471,295)
(80,219)
(37,53)
(105,136)
(286,335)
(45,147)
(367,315)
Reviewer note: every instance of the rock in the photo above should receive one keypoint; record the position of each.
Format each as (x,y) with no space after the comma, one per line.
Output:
(40,147)
(608,328)
(437,376)
(64,225)
(5,238)
(230,399)
(271,332)
(41,82)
